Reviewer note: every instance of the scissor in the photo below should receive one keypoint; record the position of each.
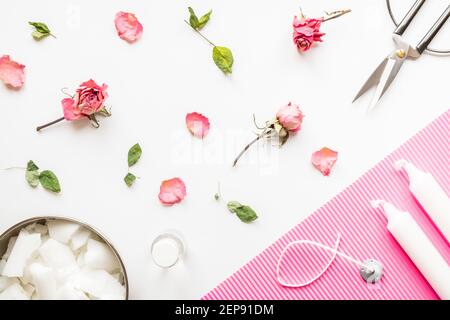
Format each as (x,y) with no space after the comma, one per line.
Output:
(386,71)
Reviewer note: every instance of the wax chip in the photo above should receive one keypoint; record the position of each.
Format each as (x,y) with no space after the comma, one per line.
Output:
(68,292)
(56,254)
(14,292)
(62,230)
(44,280)
(100,256)
(11,243)
(24,247)
(80,238)
(324,159)
(5,282)
(99,283)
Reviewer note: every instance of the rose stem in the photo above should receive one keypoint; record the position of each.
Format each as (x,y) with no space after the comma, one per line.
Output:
(11,168)
(249,145)
(201,35)
(49,124)
(335,14)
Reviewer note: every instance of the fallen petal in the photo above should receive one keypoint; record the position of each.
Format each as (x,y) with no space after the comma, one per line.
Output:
(324,159)
(11,72)
(128,26)
(197,124)
(172,191)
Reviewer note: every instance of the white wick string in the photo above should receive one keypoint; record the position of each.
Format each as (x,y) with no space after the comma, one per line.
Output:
(335,252)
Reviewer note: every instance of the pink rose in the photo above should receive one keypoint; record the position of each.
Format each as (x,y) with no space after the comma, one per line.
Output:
(11,72)
(172,191)
(88,100)
(290,117)
(306,32)
(128,26)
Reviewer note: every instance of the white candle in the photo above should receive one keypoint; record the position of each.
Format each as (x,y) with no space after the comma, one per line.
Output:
(418,247)
(430,195)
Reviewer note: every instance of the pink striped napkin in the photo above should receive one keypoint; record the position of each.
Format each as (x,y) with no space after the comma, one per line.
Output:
(364,234)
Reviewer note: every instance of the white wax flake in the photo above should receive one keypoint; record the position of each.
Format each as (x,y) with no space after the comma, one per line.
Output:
(24,247)
(68,292)
(99,283)
(2,265)
(29,290)
(40,228)
(11,243)
(80,259)
(100,256)
(14,292)
(44,280)
(62,230)
(80,238)
(56,255)
(5,282)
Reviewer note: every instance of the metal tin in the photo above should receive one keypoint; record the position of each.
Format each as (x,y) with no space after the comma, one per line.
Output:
(15,229)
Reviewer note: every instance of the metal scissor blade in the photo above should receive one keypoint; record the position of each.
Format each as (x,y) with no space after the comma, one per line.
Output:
(391,69)
(373,79)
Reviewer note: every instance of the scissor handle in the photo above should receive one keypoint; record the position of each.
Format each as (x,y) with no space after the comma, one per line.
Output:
(423,44)
(409,17)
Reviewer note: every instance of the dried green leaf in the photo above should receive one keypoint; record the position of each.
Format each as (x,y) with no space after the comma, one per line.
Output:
(32,178)
(283,136)
(246,214)
(193,20)
(233,205)
(129,179)
(41,31)
(49,181)
(204,19)
(134,154)
(223,58)
(31,166)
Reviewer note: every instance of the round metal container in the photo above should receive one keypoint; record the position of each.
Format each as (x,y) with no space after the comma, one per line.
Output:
(15,229)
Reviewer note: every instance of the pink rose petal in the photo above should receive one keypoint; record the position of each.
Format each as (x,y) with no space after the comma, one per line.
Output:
(197,124)
(11,72)
(172,191)
(71,112)
(128,26)
(324,159)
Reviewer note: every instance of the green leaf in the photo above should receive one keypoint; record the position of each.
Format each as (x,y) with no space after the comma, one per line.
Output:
(129,179)
(233,205)
(134,154)
(204,19)
(41,30)
(49,181)
(32,177)
(223,58)
(246,214)
(31,166)
(193,20)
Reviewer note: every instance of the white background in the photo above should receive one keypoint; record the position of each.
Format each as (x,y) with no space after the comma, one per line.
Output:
(168,73)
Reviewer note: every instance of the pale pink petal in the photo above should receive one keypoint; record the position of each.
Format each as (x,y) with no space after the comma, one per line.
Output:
(172,191)
(71,112)
(197,124)
(324,159)
(11,72)
(128,26)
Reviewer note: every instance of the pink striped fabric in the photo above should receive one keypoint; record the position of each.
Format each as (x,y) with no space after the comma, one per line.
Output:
(364,234)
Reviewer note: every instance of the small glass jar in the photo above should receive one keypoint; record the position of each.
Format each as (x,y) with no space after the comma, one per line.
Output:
(167,249)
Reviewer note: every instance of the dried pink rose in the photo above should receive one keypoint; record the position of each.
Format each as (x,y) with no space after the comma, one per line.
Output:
(128,26)
(324,159)
(11,72)
(290,117)
(306,32)
(87,102)
(197,124)
(172,191)
(88,99)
